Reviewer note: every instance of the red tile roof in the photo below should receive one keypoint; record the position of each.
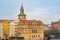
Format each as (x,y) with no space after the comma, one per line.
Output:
(31,21)
(3,21)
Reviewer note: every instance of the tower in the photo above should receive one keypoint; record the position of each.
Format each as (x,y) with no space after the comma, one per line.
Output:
(22,16)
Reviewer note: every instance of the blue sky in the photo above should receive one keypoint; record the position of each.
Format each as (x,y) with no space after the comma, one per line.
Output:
(44,10)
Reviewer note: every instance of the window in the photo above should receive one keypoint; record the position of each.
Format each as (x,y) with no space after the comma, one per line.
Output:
(32,36)
(29,36)
(34,31)
(38,35)
(35,36)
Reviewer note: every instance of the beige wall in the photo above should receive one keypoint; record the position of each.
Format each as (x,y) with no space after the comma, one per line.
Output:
(26,32)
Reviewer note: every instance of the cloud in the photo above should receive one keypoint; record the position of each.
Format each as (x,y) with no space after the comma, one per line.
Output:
(46,15)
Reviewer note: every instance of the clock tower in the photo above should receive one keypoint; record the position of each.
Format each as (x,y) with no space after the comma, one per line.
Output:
(22,16)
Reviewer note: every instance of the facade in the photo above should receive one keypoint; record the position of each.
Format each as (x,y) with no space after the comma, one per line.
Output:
(29,29)
(13,23)
(6,28)
(1,30)
(47,27)
(56,25)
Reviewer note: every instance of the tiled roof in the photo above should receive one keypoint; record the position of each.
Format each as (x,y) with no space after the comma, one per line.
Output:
(3,20)
(31,21)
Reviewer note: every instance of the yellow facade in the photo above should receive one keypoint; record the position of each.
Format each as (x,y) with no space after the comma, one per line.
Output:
(29,29)
(32,32)
(6,28)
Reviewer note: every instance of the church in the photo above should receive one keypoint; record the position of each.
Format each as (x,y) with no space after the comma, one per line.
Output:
(29,29)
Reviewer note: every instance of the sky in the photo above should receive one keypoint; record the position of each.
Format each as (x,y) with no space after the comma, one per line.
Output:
(43,10)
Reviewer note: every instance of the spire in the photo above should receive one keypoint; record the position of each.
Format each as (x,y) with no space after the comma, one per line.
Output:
(22,9)
(21,15)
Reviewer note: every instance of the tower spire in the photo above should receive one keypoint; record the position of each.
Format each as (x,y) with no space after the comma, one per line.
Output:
(22,9)
(21,15)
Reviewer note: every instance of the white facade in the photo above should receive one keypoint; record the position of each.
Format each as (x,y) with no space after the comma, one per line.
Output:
(1,30)
(13,23)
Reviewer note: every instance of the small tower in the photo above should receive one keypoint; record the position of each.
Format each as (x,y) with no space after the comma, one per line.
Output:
(22,16)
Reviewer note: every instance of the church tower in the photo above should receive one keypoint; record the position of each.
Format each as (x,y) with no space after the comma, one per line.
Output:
(22,16)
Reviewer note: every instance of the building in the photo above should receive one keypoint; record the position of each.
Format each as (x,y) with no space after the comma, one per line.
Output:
(13,23)
(1,30)
(29,29)
(56,25)
(53,30)
(4,29)
(47,27)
